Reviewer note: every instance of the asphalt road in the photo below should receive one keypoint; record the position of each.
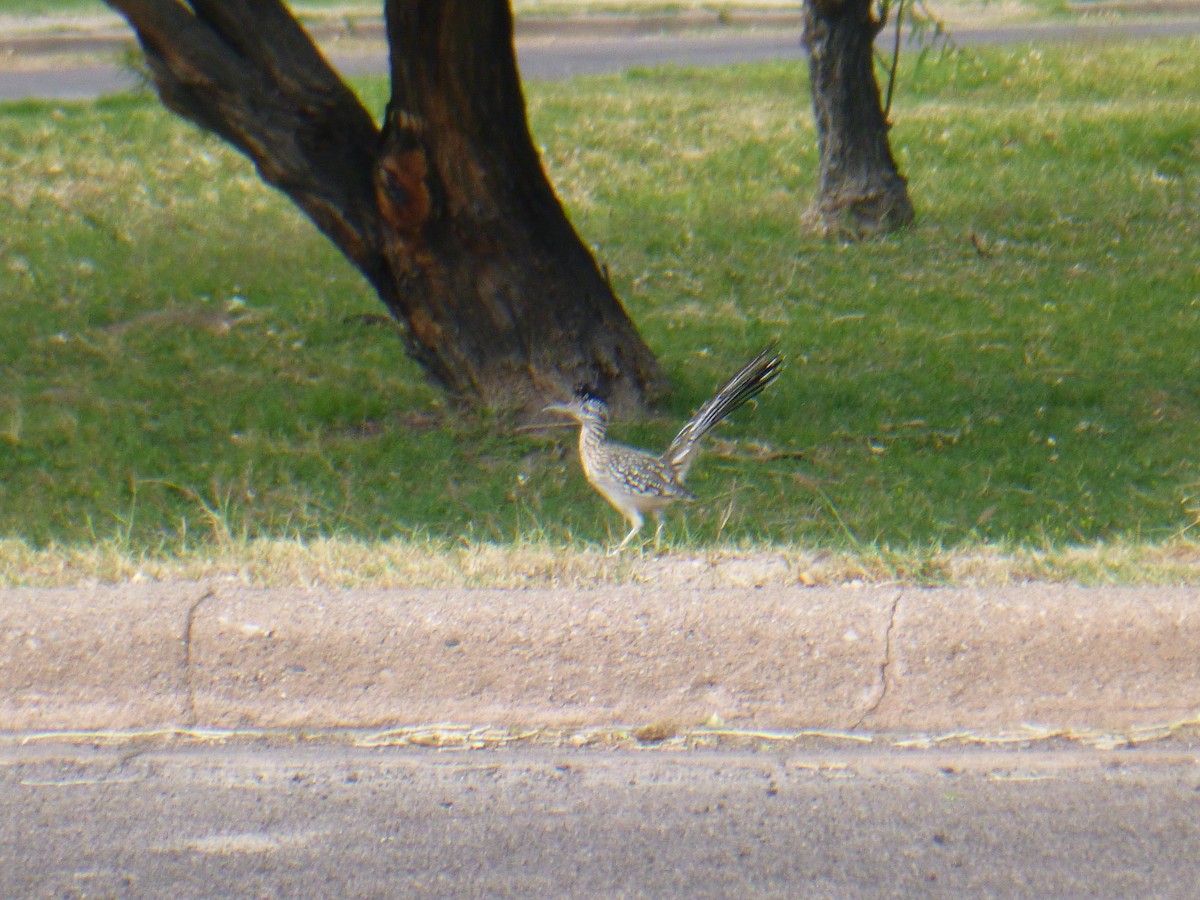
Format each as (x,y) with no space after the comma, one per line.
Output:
(548,58)
(325,821)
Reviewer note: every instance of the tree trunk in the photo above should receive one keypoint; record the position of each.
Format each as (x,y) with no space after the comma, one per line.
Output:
(860,190)
(447,211)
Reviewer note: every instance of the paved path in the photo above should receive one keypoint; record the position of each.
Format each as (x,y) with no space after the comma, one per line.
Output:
(546,56)
(322,821)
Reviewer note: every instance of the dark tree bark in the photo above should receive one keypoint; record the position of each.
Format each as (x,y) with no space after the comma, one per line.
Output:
(860,190)
(446,211)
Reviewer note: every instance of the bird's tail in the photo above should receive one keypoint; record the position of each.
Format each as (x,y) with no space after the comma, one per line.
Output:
(745,385)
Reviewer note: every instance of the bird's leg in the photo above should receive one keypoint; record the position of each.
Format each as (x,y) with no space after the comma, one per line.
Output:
(658,531)
(636,520)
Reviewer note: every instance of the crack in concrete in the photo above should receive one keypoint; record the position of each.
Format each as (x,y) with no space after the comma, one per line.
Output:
(188,623)
(885,666)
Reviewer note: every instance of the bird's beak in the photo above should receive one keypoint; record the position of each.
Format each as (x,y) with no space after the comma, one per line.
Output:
(566,409)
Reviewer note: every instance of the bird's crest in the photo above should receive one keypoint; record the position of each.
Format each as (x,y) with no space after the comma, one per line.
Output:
(592,401)
(589,392)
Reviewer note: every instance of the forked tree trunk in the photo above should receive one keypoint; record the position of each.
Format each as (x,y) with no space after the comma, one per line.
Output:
(447,211)
(488,266)
(860,190)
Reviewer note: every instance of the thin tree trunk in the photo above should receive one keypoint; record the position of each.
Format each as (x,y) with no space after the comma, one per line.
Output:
(447,211)
(860,189)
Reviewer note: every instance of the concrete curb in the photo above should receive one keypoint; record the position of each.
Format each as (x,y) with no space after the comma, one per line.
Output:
(873,659)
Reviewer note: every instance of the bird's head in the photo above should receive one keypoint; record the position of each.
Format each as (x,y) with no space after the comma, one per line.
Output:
(584,407)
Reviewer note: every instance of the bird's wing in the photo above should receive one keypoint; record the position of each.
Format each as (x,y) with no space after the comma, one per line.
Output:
(645,475)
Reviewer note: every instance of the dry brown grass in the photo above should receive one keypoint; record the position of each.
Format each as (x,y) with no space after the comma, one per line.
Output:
(392,564)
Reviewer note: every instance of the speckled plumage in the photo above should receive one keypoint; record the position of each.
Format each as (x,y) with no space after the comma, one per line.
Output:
(637,482)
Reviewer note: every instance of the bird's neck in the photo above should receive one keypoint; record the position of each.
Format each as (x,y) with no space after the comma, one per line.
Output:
(591,434)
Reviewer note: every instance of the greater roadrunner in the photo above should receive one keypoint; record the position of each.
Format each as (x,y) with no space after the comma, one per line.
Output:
(636,481)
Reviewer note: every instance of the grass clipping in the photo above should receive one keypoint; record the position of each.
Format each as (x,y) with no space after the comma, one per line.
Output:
(462,736)
(340,563)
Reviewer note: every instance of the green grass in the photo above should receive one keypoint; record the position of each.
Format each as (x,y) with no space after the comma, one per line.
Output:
(187,363)
(18,8)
